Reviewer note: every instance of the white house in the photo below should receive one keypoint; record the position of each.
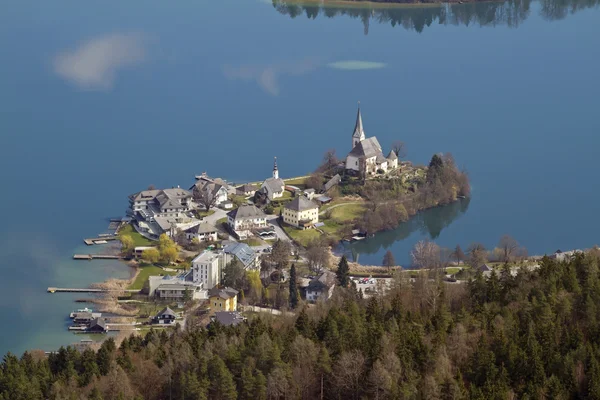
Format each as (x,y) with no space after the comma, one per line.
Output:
(204,232)
(216,187)
(245,219)
(321,287)
(366,156)
(206,269)
(273,187)
(158,211)
(301,212)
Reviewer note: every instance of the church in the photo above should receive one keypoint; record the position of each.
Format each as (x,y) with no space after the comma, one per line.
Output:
(366,157)
(274,186)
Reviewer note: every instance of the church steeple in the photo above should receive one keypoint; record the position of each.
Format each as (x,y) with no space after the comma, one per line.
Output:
(359,133)
(275,170)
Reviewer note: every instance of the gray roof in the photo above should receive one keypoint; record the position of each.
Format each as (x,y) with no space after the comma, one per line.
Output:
(246,211)
(144,195)
(207,186)
(98,322)
(485,268)
(274,185)
(392,155)
(204,227)
(242,251)
(332,182)
(300,203)
(367,148)
(358,126)
(82,315)
(380,158)
(166,312)
(308,191)
(224,293)
(323,282)
(229,318)
(247,188)
(164,223)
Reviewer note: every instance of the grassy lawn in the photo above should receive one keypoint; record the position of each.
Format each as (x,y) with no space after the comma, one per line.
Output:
(332,228)
(252,241)
(302,236)
(348,212)
(138,240)
(203,213)
(145,272)
(296,182)
(221,221)
(286,195)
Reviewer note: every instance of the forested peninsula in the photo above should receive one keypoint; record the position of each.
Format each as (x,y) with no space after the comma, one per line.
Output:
(528,336)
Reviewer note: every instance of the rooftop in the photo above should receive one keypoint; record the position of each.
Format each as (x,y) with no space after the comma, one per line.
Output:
(246,211)
(205,257)
(300,203)
(242,251)
(367,148)
(204,227)
(224,293)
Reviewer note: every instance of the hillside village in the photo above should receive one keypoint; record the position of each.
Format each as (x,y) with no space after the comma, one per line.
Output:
(194,240)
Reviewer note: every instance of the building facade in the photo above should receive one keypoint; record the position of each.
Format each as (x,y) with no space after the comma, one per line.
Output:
(301,212)
(224,299)
(245,219)
(206,269)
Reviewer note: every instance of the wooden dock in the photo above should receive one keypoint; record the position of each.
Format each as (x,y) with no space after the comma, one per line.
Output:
(96,257)
(102,239)
(88,290)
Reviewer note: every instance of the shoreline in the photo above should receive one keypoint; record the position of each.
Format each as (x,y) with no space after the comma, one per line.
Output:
(379,5)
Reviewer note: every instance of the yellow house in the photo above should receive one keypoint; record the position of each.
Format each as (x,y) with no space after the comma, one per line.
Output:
(301,212)
(223,299)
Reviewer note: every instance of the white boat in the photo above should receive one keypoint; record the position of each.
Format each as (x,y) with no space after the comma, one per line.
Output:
(81,310)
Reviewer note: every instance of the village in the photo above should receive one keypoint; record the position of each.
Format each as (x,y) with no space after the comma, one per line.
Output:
(225,248)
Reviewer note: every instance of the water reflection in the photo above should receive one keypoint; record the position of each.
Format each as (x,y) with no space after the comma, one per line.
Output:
(510,13)
(430,223)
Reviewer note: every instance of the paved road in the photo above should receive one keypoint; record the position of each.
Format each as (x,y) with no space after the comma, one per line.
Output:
(278,231)
(212,219)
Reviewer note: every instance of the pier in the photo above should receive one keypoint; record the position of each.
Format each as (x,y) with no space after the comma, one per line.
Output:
(88,290)
(96,257)
(99,240)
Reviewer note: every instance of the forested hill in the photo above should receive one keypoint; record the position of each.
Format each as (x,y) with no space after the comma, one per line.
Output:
(531,336)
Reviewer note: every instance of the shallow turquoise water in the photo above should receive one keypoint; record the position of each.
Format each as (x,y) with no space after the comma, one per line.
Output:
(101,100)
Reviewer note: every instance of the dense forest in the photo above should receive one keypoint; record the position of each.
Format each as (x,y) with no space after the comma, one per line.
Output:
(533,335)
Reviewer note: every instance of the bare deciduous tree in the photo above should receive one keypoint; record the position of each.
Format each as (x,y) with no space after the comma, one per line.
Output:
(317,255)
(426,254)
(399,148)
(330,161)
(507,248)
(478,255)
(205,194)
(348,373)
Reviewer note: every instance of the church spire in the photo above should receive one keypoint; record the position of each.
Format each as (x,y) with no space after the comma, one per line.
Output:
(359,132)
(275,170)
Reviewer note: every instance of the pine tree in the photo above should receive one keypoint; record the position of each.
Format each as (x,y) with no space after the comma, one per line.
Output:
(343,272)
(222,386)
(294,295)
(388,260)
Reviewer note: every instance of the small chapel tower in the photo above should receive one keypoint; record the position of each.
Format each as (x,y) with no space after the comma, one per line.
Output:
(275,170)
(359,133)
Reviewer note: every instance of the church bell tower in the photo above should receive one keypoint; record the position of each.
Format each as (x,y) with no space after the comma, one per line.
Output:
(275,170)
(359,133)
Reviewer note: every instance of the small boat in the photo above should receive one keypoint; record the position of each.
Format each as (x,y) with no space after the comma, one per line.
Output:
(81,310)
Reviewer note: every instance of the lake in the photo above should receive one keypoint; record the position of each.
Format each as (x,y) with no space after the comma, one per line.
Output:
(101,100)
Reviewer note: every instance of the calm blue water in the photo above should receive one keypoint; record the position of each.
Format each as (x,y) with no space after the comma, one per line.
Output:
(101,100)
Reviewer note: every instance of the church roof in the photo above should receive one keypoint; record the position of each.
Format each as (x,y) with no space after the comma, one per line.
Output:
(358,127)
(300,203)
(367,148)
(392,155)
(274,185)
(381,158)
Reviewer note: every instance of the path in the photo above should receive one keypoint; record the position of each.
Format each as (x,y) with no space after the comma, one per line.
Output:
(213,218)
(267,310)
